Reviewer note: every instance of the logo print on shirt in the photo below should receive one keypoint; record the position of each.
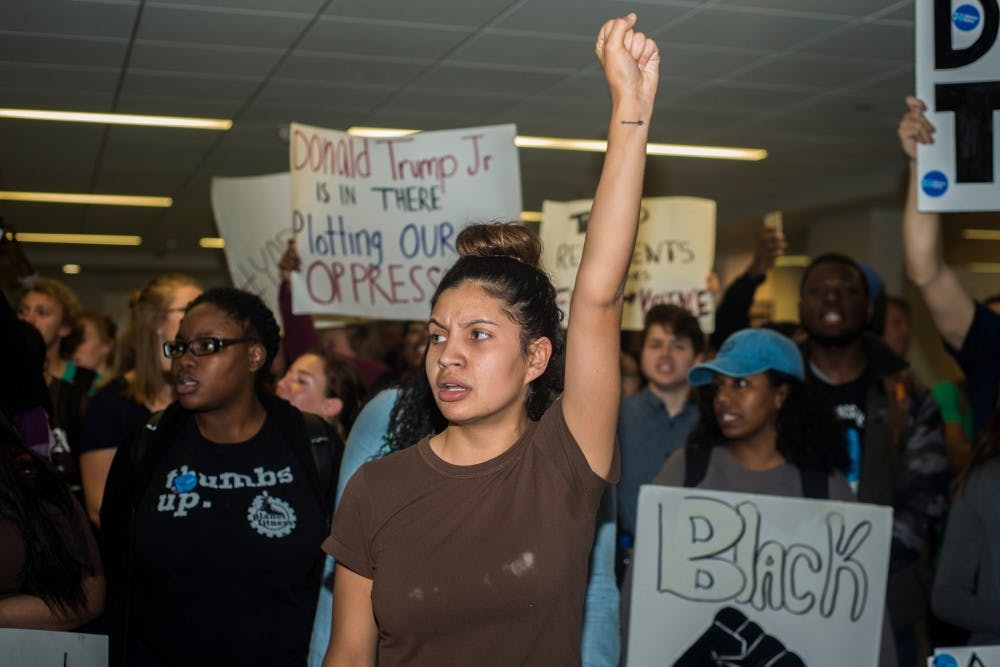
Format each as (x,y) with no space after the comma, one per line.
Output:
(270,516)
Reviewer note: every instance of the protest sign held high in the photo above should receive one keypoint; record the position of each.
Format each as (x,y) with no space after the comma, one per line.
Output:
(958,77)
(252,217)
(376,219)
(674,253)
(761,579)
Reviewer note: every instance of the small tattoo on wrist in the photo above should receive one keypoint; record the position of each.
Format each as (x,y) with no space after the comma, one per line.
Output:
(633,122)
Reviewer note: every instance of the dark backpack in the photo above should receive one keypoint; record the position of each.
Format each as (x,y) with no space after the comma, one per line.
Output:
(815,484)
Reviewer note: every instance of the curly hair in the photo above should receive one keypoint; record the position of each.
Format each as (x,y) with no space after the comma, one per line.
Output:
(808,434)
(502,258)
(255,318)
(414,415)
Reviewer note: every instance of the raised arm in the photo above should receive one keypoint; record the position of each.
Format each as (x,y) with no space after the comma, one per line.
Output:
(593,385)
(949,304)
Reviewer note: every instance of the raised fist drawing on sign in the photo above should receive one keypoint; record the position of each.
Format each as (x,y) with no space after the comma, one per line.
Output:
(733,640)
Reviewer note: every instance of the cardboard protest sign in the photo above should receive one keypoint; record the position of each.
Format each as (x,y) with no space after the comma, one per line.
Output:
(252,217)
(958,77)
(41,648)
(674,253)
(757,579)
(376,219)
(967,656)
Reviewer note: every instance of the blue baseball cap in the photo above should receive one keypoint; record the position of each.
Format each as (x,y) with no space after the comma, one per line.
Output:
(749,352)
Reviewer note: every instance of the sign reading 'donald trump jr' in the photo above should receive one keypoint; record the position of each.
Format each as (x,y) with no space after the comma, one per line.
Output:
(376,219)
(744,579)
(674,253)
(958,77)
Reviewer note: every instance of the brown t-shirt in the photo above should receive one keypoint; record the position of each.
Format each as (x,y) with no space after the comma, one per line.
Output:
(475,565)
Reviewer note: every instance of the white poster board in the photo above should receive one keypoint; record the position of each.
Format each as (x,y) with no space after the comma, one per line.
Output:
(674,253)
(958,77)
(376,219)
(252,217)
(967,656)
(41,648)
(756,577)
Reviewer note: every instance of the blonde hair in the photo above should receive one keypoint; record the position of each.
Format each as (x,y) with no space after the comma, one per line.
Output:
(139,348)
(70,305)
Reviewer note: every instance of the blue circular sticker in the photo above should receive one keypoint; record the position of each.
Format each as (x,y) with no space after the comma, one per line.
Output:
(186,482)
(945,660)
(934,183)
(966,18)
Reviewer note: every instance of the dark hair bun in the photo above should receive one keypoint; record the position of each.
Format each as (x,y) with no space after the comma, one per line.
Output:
(500,239)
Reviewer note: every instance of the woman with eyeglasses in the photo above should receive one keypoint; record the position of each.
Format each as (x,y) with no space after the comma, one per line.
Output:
(215,511)
(139,385)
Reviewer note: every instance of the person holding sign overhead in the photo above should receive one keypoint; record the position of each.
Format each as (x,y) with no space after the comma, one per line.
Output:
(969,328)
(471,547)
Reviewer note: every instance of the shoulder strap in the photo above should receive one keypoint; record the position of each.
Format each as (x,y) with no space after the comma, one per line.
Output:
(322,451)
(138,451)
(695,464)
(815,484)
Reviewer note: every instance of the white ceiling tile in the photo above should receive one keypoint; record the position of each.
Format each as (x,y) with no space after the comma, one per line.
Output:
(191,24)
(333,69)
(67,80)
(202,60)
(24,48)
(59,17)
(846,8)
(178,85)
(539,51)
(811,72)
(585,17)
(334,35)
(716,27)
(247,6)
(485,79)
(869,40)
(425,11)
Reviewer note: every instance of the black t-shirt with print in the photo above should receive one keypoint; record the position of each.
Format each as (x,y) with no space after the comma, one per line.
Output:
(849,400)
(227,546)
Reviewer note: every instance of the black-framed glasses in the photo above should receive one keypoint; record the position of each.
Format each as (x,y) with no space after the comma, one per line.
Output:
(201,347)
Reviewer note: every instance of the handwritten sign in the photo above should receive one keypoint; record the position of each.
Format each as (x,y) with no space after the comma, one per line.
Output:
(760,579)
(674,253)
(376,219)
(958,77)
(41,648)
(252,217)
(967,656)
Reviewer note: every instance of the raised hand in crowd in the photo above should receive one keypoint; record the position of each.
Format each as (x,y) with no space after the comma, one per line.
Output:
(949,303)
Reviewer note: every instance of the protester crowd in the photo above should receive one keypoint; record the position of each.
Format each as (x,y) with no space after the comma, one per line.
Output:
(184,485)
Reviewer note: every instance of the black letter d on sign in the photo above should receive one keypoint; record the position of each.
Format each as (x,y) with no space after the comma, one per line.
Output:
(945,57)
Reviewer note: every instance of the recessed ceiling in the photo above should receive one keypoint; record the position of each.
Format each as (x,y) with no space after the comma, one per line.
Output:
(819,83)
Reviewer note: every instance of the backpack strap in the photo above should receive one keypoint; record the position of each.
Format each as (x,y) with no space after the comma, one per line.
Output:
(322,448)
(138,451)
(815,484)
(695,464)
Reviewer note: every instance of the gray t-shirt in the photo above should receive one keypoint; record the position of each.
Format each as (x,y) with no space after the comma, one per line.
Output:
(967,584)
(726,474)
